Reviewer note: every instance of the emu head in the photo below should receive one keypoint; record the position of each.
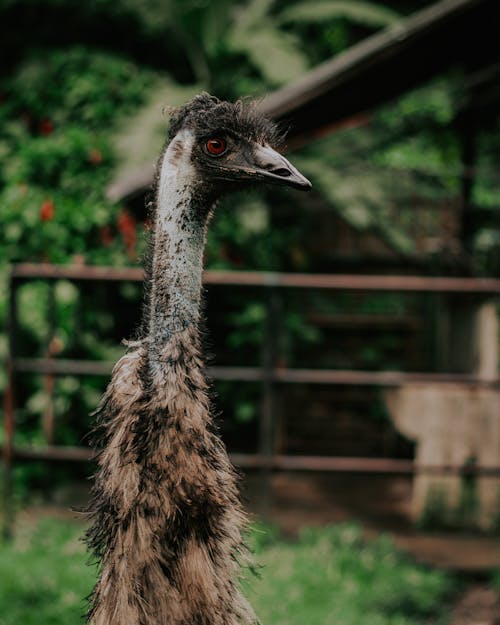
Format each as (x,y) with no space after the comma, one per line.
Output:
(228,146)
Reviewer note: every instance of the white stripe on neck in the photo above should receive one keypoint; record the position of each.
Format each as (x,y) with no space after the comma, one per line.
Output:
(178,246)
(177,176)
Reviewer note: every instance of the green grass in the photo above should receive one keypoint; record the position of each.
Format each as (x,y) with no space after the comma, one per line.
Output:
(329,575)
(43,575)
(333,576)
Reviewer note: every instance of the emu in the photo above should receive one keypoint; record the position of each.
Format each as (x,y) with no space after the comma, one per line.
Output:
(167,520)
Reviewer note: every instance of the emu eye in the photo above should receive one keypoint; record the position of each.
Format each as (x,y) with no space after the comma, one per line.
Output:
(216,146)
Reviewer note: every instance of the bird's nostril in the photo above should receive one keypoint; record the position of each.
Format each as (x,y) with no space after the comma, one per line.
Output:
(281,171)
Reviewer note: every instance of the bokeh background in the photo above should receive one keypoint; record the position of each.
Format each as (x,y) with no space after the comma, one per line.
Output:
(365,417)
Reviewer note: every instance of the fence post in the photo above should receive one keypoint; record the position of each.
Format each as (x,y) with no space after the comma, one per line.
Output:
(266,440)
(9,414)
(48,420)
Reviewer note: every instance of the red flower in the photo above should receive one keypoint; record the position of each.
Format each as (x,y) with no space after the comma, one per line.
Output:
(106,236)
(47,210)
(127,228)
(95,156)
(46,127)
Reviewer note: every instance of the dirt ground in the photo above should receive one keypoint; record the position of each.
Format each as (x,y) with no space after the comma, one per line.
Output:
(479,605)
(383,505)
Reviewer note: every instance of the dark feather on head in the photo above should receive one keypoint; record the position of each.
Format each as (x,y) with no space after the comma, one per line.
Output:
(206,115)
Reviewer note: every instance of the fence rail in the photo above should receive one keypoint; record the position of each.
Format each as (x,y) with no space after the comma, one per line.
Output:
(270,279)
(284,462)
(281,375)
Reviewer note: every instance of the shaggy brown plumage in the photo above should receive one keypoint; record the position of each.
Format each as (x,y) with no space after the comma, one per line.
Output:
(167,520)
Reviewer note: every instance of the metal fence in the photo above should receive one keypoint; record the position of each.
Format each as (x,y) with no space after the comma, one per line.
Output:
(270,375)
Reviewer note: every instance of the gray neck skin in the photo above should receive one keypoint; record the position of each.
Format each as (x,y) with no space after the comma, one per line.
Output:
(179,241)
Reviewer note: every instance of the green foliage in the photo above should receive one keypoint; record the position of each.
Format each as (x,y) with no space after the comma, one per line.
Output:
(274,53)
(210,42)
(57,113)
(495,580)
(436,511)
(43,576)
(329,575)
(332,575)
(365,13)
(52,240)
(55,121)
(391,176)
(247,232)
(235,48)
(256,38)
(74,85)
(440,513)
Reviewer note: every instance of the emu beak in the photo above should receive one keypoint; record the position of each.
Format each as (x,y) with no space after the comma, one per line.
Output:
(267,165)
(259,163)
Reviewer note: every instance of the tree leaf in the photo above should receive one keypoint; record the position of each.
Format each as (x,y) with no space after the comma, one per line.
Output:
(274,53)
(365,13)
(251,15)
(215,23)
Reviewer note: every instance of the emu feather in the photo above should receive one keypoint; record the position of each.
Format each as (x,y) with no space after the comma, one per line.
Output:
(167,520)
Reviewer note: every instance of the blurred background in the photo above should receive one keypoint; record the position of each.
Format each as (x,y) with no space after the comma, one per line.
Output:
(358,384)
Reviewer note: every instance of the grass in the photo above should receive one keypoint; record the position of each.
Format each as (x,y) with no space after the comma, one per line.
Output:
(328,576)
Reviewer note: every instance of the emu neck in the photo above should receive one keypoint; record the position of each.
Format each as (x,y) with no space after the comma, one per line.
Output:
(178,244)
